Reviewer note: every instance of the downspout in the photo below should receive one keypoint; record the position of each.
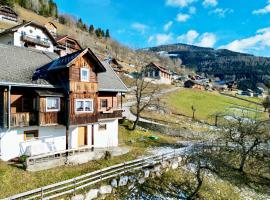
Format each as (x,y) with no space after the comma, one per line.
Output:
(9,108)
(67,119)
(9,117)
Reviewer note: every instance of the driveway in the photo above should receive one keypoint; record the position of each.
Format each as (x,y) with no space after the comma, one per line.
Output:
(127,106)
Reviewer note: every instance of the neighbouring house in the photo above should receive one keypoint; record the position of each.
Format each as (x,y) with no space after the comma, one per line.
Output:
(52,28)
(50,103)
(157,74)
(117,67)
(7,14)
(194,84)
(29,35)
(66,45)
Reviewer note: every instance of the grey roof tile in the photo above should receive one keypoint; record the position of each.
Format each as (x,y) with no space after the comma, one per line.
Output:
(18,65)
(109,80)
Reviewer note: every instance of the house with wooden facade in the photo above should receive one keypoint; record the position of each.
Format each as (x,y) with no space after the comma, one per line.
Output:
(66,45)
(29,35)
(7,14)
(157,74)
(50,103)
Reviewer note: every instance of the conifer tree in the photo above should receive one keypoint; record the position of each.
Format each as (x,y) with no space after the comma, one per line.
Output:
(91,29)
(107,35)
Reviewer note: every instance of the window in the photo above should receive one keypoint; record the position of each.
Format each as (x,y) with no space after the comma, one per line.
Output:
(30,135)
(103,103)
(84,105)
(52,104)
(85,74)
(102,127)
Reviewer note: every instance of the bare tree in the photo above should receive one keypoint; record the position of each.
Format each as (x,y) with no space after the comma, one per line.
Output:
(247,134)
(145,94)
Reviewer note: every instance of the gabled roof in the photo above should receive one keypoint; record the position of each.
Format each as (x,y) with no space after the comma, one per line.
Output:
(109,81)
(18,65)
(67,61)
(4,9)
(32,23)
(163,69)
(29,68)
(59,38)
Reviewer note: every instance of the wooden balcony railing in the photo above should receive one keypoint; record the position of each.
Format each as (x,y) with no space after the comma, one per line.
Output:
(23,119)
(110,115)
(41,42)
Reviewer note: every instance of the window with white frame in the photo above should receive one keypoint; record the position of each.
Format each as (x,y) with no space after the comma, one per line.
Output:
(52,104)
(84,105)
(85,74)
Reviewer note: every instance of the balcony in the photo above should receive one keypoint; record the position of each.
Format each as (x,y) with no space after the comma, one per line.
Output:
(110,114)
(23,119)
(34,40)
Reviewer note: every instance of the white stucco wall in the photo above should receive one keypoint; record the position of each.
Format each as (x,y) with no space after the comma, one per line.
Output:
(102,138)
(13,143)
(35,32)
(51,139)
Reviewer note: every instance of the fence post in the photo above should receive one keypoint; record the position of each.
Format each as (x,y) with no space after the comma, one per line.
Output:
(42,193)
(74,186)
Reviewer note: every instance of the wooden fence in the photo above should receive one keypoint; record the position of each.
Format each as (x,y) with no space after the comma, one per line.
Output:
(72,185)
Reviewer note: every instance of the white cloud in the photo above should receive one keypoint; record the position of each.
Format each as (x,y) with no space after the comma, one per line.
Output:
(222,12)
(194,38)
(189,37)
(207,40)
(179,3)
(262,11)
(167,26)
(258,42)
(210,3)
(139,27)
(182,17)
(192,10)
(160,39)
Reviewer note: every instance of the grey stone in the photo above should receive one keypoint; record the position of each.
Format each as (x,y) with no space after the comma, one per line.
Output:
(179,159)
(141,180)
(92,194)
(174,165)
(165,164)
(146,173)
(105,189)
(114,183)
(123,180)
(157,168)
(78,197)
(158,174)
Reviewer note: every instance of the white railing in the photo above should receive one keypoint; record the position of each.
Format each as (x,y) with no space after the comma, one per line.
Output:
(72,185)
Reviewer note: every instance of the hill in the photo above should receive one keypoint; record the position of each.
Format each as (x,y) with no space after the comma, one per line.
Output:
(247,69)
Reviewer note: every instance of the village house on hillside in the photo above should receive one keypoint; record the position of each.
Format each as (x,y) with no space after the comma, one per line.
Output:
(117,67)
(50,103)
(52,28)
(29,35)
(156,73)
(7,14)
(66,45)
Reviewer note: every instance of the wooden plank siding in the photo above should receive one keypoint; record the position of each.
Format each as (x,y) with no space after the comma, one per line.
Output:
(111,97)
(83,90)
(50,118)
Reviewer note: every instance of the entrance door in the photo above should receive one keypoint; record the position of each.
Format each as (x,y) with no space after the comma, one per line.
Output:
(82,136)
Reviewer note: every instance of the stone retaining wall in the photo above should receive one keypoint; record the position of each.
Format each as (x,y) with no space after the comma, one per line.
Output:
(130,180)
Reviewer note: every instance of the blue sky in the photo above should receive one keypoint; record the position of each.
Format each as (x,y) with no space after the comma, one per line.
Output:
(239,25)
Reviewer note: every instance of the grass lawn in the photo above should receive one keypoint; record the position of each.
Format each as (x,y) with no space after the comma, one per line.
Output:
(208,104)
(14,180)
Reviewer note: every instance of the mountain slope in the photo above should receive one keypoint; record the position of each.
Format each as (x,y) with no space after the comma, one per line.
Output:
(220,63)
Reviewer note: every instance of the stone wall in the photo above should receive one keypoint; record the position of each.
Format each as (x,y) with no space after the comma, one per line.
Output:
(131,179)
